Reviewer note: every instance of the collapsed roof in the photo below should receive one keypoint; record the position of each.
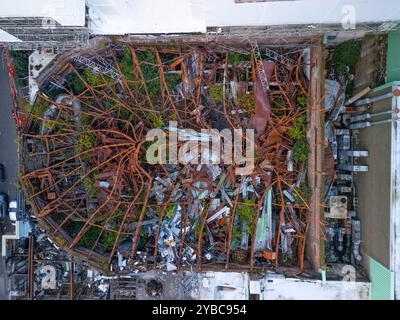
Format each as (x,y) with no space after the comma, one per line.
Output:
(86,173)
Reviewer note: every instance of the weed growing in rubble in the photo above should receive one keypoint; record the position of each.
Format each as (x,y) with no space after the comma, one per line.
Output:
(299,130)
(94,79)
(158,121)
(55,92)
(75,84)
(85,119)
(89,184)
(286,259)
(172,80)
(87,141)
(350,88)
(236,57)
(126,64)
(346,55)
(299,134)
(216,93)
(277,105)
(197,226)
(169,211)
(304,191)
(108,239)
(90,237)
(247,102)
(47,125)
(300,152)
(148,64)
(302,101)
(246,212)
(21,63)
(60,241)
(239,255)
(39,107)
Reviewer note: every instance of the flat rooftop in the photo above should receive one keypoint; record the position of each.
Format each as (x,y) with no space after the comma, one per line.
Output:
(67,13)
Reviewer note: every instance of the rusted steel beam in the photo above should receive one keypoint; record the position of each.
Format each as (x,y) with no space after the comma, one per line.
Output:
(138,68)
(85,226)
(231,223)
(254,230)
(165,86)
(204,216)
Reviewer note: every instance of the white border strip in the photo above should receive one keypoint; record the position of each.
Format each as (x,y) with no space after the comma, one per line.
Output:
(395,199)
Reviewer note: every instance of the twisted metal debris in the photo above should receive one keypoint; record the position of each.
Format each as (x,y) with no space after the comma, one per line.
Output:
(85,172)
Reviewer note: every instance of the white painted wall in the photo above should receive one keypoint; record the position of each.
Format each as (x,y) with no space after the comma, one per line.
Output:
(276,287)
(228,13)
(235,286)
(184,16)
(175,16)
(66,12)
(295,289)
(146,16)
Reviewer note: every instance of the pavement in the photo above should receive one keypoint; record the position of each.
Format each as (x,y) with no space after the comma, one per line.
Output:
(8,157)
(8,136)
(374,188)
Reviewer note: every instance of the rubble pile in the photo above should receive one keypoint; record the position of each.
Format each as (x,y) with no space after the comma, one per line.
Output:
(343,160)
(87,173)
(40,270)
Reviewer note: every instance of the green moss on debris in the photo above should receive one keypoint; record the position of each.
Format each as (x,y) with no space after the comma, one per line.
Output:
(40,106)
(346,55)
(89,183)
(299,131)
(304,191)
(148,64)
(216,93)
(94,79)
(236,57)
(150,71)
(21,63)
(300,152)
(126,64)
(87,141)
(246,213)
(302,101)
(299,134)
(75,84)
(247,102)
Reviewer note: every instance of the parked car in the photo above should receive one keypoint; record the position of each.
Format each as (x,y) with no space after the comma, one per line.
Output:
(3,204)
(12,210)
(2,173)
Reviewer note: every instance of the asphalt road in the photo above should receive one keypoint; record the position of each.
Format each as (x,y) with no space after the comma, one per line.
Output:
(8,135)
(3,281)
(8,155)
